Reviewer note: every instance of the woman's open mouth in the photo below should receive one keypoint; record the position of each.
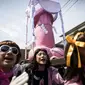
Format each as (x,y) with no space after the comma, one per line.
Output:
(43,59)
(8,59)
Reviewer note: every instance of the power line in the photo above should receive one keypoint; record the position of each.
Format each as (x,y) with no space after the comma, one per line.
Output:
(65,4)
(71,6)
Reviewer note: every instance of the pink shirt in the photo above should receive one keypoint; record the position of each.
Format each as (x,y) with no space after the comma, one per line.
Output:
(73,81)
(54,76)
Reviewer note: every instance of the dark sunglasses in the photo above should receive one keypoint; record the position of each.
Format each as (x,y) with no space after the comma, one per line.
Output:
(6,48)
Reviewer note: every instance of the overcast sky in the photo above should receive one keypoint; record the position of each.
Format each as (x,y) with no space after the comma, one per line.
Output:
(13,19)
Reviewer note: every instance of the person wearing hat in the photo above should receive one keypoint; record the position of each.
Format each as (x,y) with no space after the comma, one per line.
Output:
(75,59)
(9,56)
(40,70)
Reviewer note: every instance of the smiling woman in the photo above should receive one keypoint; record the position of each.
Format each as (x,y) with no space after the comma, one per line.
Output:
(8,49)
(9,56)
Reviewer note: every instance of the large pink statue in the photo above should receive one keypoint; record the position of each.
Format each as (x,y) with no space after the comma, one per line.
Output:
(43,22)
(43,28)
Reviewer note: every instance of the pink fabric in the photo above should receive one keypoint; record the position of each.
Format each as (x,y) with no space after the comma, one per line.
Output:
(41,82)
(54,76)
(57,53)
(73,81)
(4,77)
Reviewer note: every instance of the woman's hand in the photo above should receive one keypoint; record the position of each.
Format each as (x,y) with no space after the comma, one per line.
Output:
(20,80)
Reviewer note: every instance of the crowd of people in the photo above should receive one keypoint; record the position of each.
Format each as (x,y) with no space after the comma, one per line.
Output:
(40,71)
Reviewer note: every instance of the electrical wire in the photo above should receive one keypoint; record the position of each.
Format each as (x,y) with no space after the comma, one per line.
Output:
(70,7)
(65,4)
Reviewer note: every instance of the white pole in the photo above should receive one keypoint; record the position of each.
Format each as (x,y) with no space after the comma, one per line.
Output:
(62,25)
(26,38)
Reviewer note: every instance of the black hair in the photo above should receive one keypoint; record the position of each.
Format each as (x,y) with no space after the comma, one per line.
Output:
(33,68)
(34,62)
(73,69)
(13,44)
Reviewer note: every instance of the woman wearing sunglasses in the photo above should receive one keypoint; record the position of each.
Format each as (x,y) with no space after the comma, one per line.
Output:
(9,56)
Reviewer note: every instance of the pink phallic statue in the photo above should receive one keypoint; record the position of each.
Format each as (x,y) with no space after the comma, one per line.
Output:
(43,28)
(43,22)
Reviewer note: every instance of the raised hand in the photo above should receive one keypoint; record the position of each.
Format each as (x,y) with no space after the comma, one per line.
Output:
(20,80)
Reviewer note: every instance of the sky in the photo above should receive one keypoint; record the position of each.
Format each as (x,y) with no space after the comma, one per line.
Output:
(13,19)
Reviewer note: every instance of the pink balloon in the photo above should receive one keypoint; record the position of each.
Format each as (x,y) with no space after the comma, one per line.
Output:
(57,53)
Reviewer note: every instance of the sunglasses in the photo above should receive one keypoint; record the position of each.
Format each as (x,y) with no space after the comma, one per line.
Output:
(6,48)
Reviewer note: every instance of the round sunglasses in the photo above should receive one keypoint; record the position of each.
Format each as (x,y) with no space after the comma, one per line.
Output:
(7,48)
